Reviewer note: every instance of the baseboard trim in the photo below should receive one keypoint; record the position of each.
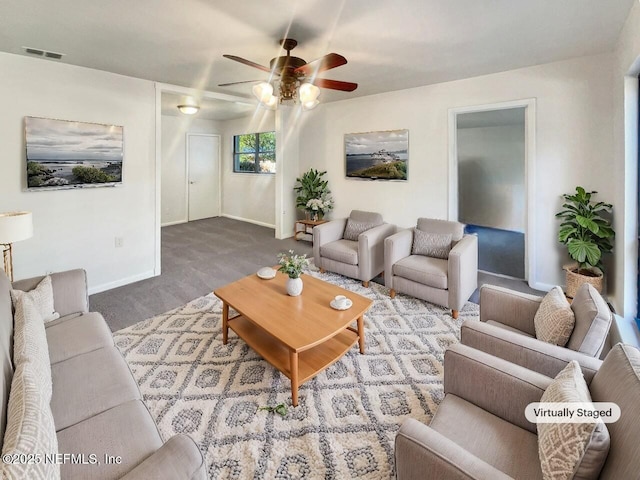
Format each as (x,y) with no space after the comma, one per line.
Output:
(249,220)
(177,222)
(119,283)
(501,275)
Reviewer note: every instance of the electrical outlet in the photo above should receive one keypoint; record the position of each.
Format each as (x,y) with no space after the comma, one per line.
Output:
(119,242)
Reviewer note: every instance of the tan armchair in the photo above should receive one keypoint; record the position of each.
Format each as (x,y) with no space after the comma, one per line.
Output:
(362,255)
(480,431)
(445,281)
(506,330)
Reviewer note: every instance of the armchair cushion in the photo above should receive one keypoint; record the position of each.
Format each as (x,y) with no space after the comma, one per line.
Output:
(436,245)
(507,327)
(343,251)
(554,320)
(571,450)
(424,270)
(442,226)
(593,320)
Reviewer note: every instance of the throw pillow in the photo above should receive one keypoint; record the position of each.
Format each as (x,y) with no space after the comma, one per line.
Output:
(571,450)
(42,298)
(593,320)
(30,428)
(30,343)
(436,245)
(554,319)
(355,228)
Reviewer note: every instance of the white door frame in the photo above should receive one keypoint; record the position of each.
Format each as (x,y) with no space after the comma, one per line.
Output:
(188,164)
(529,104)
(168,88)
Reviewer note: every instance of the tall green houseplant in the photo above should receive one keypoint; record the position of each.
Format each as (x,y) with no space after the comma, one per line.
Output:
(312,186)
(586,234)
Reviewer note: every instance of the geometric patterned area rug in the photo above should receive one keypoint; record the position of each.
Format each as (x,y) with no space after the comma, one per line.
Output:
(347,416)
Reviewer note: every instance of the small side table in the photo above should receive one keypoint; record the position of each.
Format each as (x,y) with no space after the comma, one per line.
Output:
(307,227)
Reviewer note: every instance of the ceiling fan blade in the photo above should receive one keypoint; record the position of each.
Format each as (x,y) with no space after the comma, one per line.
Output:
(237,83)
(329,61)
(335,84)
(248,62)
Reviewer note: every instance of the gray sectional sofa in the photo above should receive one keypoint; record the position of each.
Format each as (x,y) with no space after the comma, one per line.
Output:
(96,405)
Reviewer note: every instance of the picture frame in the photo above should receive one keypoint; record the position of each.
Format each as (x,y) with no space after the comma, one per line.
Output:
(382,155)
(65,154)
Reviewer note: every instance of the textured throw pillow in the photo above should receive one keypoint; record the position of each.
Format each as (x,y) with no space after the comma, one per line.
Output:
(554,319)
(436,245)
(593,320)
(571,450)
(30,343)
(355,228)
(30,428)
(42,298)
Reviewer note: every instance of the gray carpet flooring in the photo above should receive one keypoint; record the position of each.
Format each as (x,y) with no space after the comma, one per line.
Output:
(200,256)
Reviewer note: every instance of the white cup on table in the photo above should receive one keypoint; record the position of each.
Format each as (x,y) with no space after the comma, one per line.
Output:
(340,301)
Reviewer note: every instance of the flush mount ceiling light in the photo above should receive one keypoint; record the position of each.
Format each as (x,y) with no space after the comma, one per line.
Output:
(294,79)
(188,109)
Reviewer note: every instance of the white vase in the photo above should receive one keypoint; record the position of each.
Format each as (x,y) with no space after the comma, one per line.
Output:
(294,286)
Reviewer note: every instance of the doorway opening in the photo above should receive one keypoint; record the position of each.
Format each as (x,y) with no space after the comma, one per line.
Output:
(491,154)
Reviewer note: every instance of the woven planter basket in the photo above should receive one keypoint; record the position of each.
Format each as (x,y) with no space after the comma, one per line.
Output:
(575,280)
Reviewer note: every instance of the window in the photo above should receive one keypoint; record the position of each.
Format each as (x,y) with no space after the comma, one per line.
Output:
(254,153)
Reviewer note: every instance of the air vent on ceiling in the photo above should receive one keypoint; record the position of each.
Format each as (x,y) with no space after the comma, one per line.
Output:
(43,53)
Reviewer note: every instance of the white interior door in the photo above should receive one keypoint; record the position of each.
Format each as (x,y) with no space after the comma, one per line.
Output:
(203,159)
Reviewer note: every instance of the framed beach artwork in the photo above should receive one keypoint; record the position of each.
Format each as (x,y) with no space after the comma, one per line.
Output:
(65,154)
(377,155)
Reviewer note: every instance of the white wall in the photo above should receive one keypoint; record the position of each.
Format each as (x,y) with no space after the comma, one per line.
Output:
(247,196)
(574,142)
(76,228)
(491,190)
(174,162)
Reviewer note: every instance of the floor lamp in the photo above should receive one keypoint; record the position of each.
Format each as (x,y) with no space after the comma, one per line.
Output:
(14,226)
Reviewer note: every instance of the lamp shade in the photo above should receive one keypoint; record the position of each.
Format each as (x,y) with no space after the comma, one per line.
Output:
(309,93)
(15,226)
(188,109)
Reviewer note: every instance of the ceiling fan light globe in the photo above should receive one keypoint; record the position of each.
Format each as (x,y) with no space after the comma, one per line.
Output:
(310,105)
(263,91)
(271,101)
(308,93)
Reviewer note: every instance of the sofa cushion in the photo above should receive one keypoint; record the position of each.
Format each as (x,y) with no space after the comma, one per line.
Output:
(428,271)
(343,251)
(554,320)
(126,430)
(507,447)
(42,298)
(6,349)
(571,450)
(88,384)
(593,320)
(433,225)
(77,334)
(69,290)
(507,327)
(436,245)
(30,427)
(30,343)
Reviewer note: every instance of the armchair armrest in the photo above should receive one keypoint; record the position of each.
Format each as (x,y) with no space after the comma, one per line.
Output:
(536,355)
(493,384)
(463,271)
(70,293)
(178,459)
(326,233)
(371,249)
(421,452)
(396,247)
(512,308)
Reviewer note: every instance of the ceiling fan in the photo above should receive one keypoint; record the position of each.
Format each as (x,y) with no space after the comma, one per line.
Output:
(296,78)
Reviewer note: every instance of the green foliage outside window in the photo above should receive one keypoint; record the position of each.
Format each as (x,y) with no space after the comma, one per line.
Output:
(254,153)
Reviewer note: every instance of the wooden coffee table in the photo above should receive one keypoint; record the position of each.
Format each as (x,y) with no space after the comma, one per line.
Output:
(300,336)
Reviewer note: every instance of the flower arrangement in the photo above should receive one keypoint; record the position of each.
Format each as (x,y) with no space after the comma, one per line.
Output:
(292,264)
(313,194)
(320,205)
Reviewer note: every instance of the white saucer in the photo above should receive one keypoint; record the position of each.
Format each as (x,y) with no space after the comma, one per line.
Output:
(266,273)
(347,306)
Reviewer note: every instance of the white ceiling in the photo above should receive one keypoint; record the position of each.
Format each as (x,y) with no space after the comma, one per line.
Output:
(390,45)
(491,118)
(210,108)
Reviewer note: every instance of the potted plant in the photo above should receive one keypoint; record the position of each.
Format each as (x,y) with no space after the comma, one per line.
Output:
(587,235)
(292,265)
(313,194)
